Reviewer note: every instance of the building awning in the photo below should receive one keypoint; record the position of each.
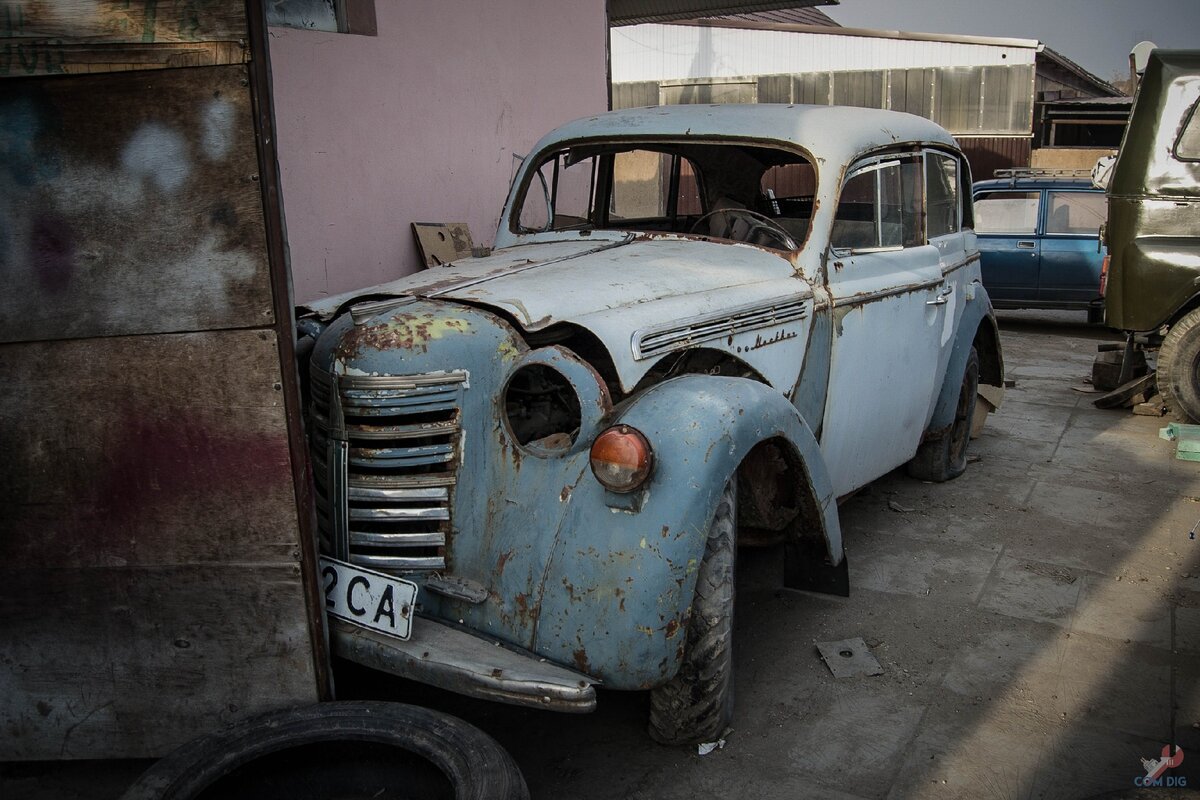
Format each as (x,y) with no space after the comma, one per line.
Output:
(633,12)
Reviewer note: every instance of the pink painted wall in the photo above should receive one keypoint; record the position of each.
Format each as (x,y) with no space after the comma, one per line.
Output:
(419,124)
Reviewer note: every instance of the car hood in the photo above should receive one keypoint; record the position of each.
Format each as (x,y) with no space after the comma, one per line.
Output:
(612,287)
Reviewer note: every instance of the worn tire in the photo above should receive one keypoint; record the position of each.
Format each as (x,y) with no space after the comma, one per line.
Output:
(1179,366)
(697,704)
(342,749)
(944,457)
(1095,315)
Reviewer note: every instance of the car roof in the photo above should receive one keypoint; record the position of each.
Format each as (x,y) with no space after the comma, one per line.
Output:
(836,134)
(1073,184)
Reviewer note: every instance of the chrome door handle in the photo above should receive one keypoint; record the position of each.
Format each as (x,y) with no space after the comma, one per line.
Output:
(1027,245)
(943,295)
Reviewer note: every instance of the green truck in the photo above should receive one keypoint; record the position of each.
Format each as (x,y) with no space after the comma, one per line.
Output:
(1153,231)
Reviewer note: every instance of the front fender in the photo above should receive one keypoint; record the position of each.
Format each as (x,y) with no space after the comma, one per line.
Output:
(619,585)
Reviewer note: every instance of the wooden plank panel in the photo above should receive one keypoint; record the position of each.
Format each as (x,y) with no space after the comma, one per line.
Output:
(130,205)
(124,21)
(29,57)
(132,662)
(145,450)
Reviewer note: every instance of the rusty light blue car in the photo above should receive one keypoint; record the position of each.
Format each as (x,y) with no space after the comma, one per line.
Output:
(700,324)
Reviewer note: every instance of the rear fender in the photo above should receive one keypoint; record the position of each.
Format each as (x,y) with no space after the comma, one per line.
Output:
(978,325)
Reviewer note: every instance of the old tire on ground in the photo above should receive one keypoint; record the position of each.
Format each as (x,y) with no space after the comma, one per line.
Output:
(941,458)
(697,704)
(1095,315)
(342,749)
(1179,366)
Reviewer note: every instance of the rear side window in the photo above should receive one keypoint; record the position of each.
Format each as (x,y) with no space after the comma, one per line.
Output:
(941,194)
(1075,212)
(1007,212)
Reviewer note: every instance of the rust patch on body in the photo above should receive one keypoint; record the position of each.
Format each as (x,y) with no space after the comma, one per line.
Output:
(672,628)
(581,661)
(502,561)
(404,331)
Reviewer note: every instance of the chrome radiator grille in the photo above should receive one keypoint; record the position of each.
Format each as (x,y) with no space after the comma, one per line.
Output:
(385,452)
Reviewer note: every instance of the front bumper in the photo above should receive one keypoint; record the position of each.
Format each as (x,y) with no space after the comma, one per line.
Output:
(454,659)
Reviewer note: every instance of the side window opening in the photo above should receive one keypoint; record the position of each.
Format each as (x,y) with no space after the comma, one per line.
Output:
(1075,213)
(1187,147)
(1007,212)
(881,207)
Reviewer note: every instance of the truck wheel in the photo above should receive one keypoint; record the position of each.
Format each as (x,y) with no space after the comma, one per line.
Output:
(1095,315)
(697,704)
(343,749)
(944,457)
(1179,366)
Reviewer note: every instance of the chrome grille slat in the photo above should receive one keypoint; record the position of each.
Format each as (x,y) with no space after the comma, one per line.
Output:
(367,493)
(395,442)
(398,563)
(402,539)
(398,513)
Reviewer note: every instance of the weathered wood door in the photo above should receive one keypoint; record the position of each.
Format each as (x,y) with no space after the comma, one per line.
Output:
(156,557)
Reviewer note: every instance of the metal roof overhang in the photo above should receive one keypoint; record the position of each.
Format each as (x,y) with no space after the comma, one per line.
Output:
(633,12)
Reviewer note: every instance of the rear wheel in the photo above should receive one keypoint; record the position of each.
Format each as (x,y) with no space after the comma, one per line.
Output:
(1179,366)
(697,704)
(944,457)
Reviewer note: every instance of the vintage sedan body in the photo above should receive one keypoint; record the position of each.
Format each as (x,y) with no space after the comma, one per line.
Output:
(697,320)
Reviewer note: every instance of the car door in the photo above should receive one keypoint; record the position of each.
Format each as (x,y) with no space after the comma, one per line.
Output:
(1071,255)
(1006,224)
(885,282)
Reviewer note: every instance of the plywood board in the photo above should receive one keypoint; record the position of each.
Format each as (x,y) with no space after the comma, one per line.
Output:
(127,662)
(145,450)
(130,205)
(442,242)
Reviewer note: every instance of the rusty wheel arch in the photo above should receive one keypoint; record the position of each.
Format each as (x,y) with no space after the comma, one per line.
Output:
(987,345)
(775,498)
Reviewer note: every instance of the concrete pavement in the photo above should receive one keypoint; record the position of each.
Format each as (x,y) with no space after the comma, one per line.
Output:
(1037,621)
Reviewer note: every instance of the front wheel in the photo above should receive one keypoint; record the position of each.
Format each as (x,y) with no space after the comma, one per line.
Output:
(940,458)
(1179,366)
(697,704)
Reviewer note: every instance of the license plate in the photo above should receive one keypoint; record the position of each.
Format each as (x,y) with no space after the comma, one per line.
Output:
(368,598)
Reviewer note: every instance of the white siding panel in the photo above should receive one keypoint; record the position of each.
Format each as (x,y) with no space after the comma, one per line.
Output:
(680,52)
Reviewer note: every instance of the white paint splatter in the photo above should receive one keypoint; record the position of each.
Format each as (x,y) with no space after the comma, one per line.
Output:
(157,153)
(217,129)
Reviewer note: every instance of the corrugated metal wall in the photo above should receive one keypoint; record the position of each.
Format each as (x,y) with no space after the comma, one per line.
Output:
(975,101)
(689,52)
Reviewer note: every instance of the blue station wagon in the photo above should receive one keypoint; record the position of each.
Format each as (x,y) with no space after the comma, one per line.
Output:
(1038,235)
